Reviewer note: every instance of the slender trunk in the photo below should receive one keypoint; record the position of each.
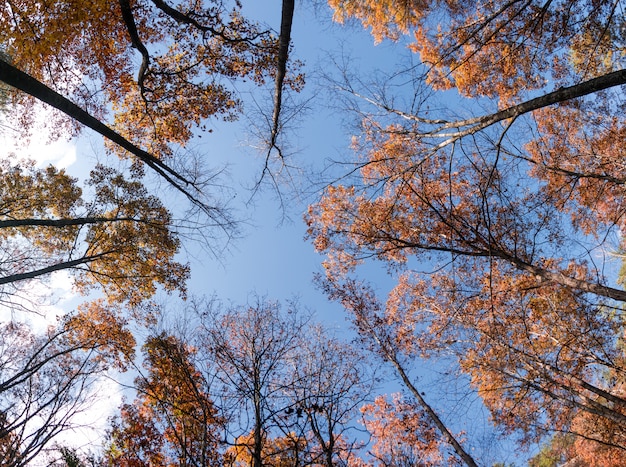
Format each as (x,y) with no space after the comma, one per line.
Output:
(449,437)
(472,126)
(258,422)
(281,65)
(66,222)
(390,356)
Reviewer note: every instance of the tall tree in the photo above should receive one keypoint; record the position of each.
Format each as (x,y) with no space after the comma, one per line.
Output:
(286,392)
(494,227)
(251,348)
(173,420)
(112,237)
(81,59)
(47,224)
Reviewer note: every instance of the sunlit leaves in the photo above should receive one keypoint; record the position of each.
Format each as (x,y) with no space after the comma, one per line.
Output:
(101,328)
(498,49)
(172,421)
(135,250)
(120,240)
(192,51)
(284,451)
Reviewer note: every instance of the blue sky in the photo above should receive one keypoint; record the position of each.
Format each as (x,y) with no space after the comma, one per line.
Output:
(273,258)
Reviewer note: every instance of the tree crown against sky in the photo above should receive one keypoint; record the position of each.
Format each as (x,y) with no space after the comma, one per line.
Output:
(244,385)
(497,228)
(112,235)
(509,211)
(188,53)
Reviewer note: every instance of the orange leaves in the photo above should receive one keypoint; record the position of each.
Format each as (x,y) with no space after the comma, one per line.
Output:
(602,445)
(401,433)
(495,237)
(579,154)
(99,327)
(282,451)
(386,19)
(486,261)
(172,421)
(497,49)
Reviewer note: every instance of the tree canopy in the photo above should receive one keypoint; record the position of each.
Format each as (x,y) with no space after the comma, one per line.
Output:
(485,176)
(496,228)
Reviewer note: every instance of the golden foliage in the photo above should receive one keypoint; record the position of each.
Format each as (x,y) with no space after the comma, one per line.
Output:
(189,51)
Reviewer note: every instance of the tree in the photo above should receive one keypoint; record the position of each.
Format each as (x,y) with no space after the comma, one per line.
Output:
(79,59)
(250,348)
(45,381)
(173,420)
(283,392)
(48,225)
(499,49)
(112,237)
(283,451)
(185,51)
(492,226)
(330,382)
(11,76)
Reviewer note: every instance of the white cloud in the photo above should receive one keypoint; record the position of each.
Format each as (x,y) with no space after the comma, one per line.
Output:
(60,153)
(39,147)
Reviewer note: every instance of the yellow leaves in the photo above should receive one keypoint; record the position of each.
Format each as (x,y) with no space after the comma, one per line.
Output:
(597,50)
(134,251)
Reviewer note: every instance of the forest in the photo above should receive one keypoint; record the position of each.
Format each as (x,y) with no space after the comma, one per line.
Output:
(351,233)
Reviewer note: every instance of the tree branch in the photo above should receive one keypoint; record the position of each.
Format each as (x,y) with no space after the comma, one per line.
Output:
(49,269)
(10,223)
(129,21)
(28,84)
